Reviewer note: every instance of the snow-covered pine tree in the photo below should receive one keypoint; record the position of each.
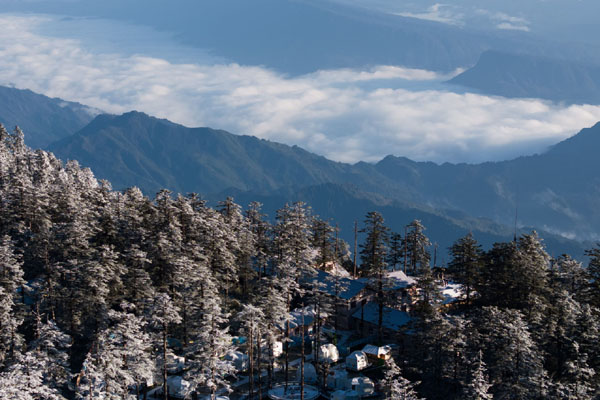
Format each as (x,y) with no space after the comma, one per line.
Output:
(10,339)
(395,386)
(416,244)
(478,386)
(323,242)
(52,349)
(252,320)
(292,257)
(373,255)
(514,363)
(275,309)
(208,369)
(25,380)
(163,314)
(261,230)
(466,263)
(120,359)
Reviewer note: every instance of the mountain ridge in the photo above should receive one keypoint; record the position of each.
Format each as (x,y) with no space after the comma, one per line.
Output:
(533,76)
(550,193)
(45,119)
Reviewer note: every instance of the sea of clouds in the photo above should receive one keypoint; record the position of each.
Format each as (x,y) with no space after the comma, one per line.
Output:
(346,115)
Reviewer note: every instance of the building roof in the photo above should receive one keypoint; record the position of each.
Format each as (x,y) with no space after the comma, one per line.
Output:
(400,280)
(392,319)
(351,287)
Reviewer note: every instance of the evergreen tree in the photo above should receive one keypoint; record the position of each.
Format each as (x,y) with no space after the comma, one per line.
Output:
(396,250)
(593,289)
(260,228)
(466,263)
(252,321)
(119,360)
(478,386)
(25,380)
(373,259)
(416,244)
(163,314)
(10,339)
(323,242)
(395,386)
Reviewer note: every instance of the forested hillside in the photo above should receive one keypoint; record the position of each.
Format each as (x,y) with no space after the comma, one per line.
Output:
(101,291)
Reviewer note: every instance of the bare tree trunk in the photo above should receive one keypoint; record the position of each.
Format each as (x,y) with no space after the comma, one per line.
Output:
(302,359)
(258,362)
(251,360)
(165,391)
(287,345)
(405,248)
(355,245)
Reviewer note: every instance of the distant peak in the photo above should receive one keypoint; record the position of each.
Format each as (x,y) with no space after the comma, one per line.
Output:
(582,142)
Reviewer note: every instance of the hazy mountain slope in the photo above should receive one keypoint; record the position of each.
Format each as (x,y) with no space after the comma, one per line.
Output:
(558,191)
(344,203)
(513,75)
(44,119)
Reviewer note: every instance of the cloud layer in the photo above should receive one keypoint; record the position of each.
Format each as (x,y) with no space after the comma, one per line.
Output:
(346,115)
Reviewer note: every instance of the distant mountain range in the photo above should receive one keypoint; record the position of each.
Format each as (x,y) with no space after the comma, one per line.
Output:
(522,75)
(558,191)
(45,120)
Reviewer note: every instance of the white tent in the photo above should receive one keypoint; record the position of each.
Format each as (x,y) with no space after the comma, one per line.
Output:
(310,373)
(329,353)
(363,385)
(357,361)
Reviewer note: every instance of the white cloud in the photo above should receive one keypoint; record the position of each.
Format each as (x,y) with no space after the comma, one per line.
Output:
(437,13)
(333,113)
(505,21)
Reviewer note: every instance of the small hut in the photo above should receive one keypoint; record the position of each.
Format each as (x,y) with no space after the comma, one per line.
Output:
(357,361)
(329,353)
(375,353)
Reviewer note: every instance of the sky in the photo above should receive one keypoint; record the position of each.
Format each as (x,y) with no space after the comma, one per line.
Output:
(556,19)
(346,115)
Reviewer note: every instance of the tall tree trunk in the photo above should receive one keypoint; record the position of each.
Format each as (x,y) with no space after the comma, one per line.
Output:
(287,345)
(302,359)
(258,362)
(165,388)
(405,248)
(251,360)
(380,298)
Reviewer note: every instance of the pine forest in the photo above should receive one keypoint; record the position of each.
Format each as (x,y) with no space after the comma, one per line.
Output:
(115,295)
